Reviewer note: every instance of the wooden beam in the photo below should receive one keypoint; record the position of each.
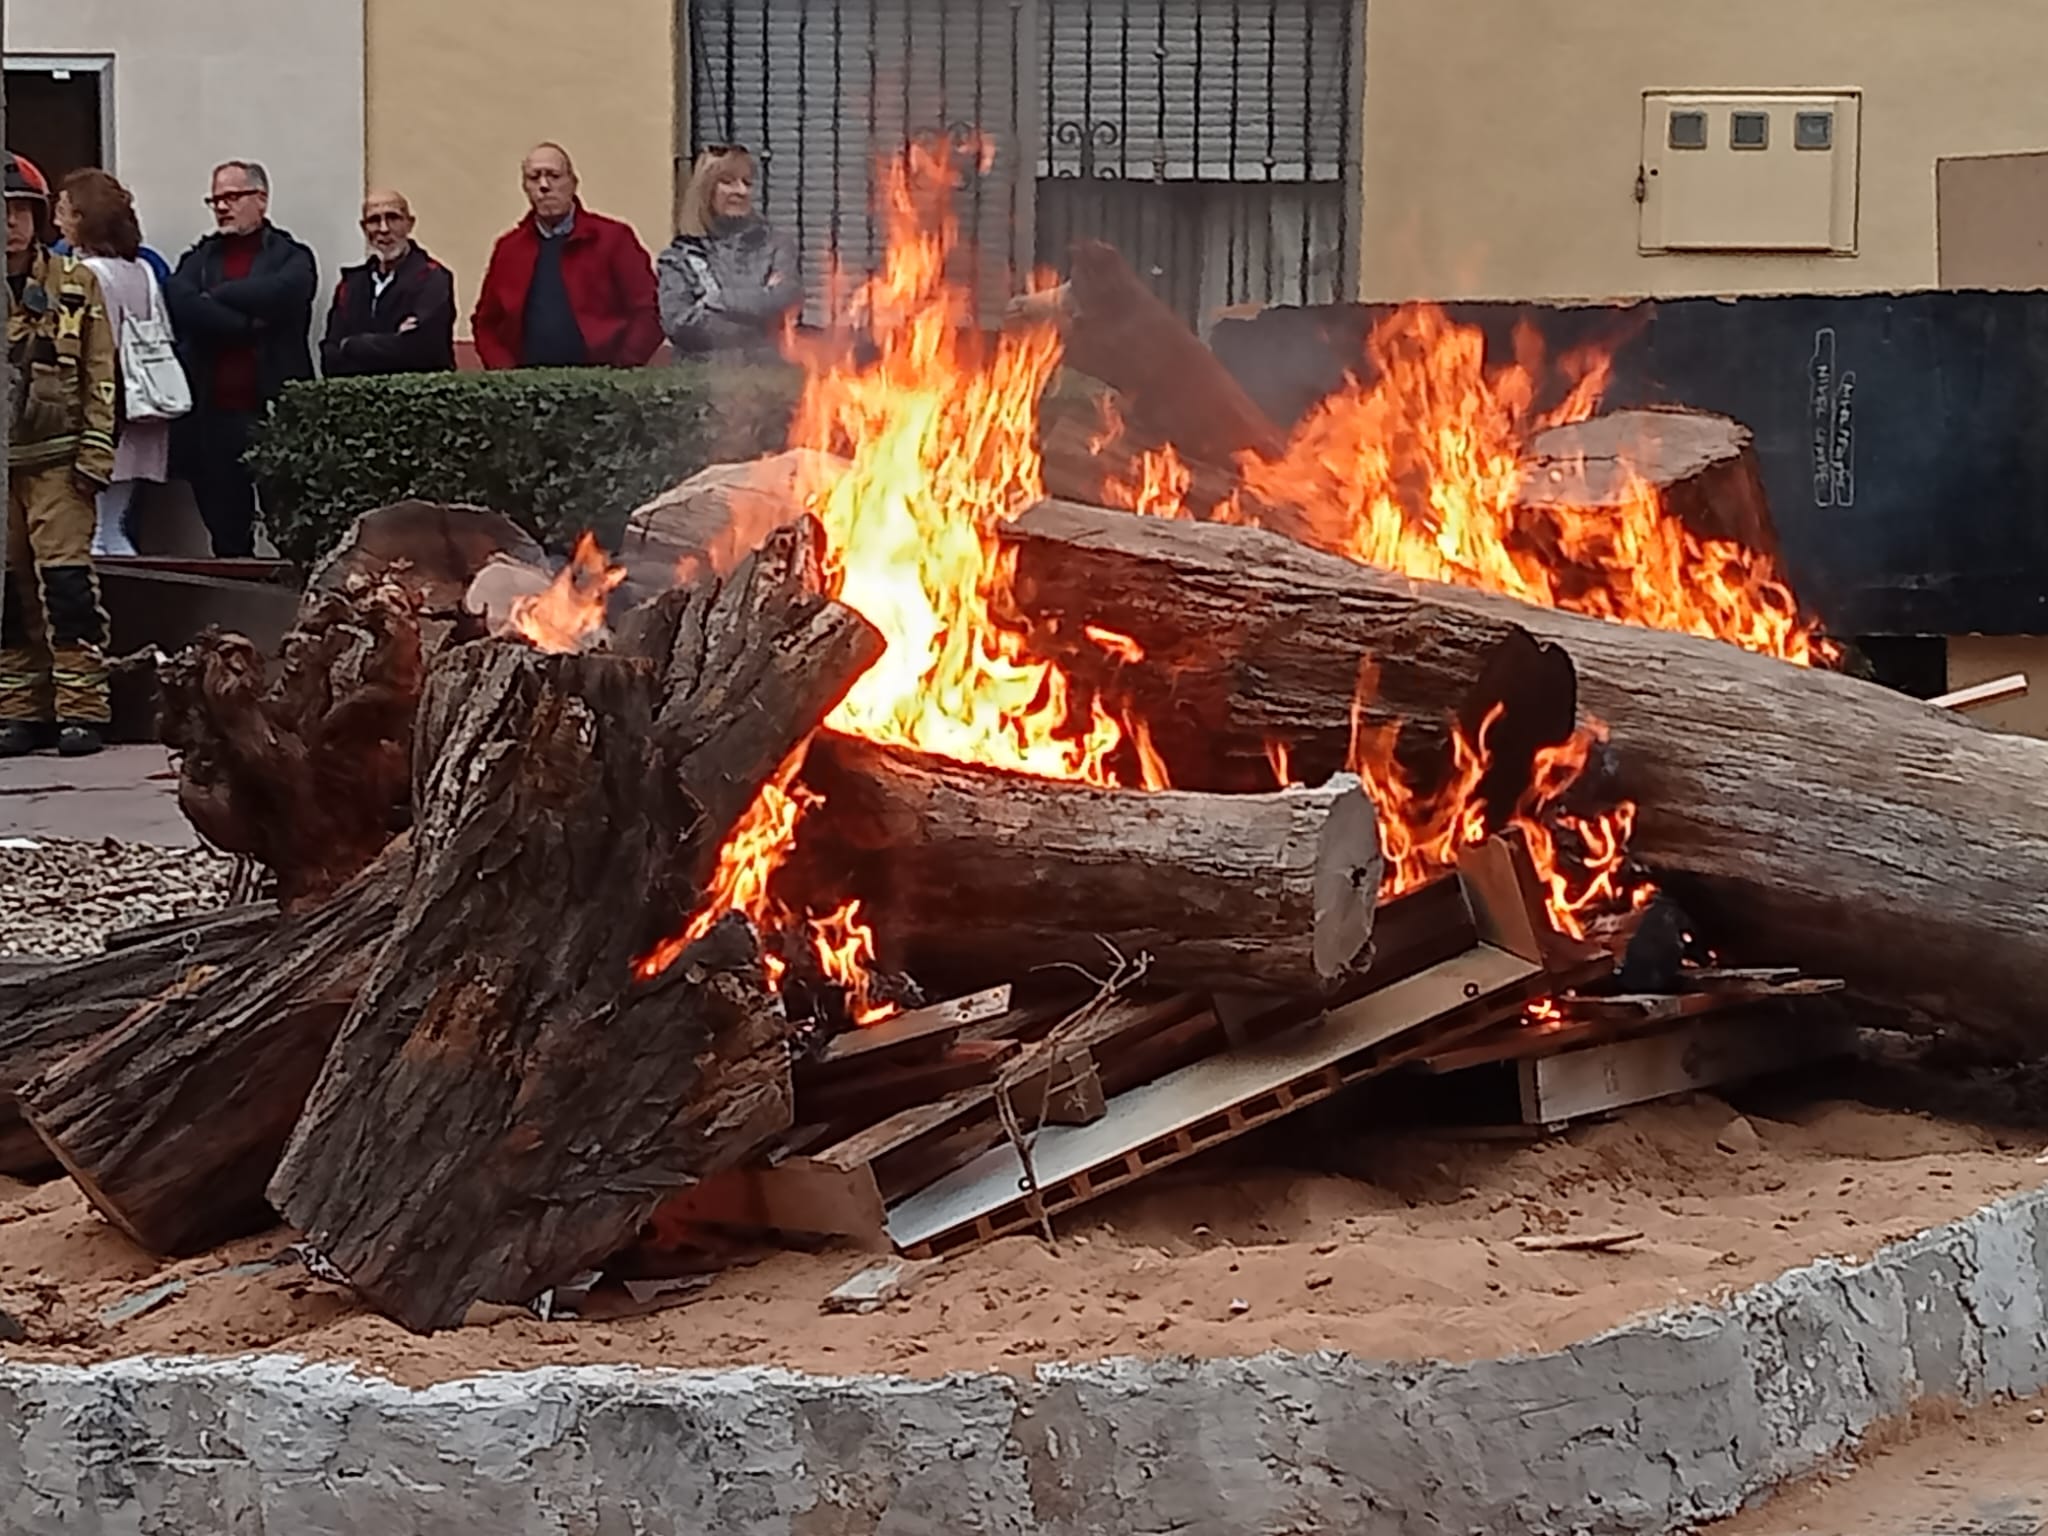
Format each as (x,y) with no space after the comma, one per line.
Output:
(1699,1054)
(1996,691)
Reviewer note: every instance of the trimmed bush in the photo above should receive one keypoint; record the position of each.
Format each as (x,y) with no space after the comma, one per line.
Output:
(556,450)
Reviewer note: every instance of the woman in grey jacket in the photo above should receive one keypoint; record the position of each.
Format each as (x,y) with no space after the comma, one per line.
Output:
(728,281)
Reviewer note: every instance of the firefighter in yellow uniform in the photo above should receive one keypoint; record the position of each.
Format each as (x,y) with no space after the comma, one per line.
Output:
(60,452)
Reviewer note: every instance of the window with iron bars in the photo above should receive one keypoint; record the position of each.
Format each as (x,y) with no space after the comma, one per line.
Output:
(1212,141)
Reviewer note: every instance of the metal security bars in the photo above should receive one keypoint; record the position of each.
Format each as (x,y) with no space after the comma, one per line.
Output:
(1213,141)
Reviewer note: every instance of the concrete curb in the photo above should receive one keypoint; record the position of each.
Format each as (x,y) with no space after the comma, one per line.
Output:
(1663,1422)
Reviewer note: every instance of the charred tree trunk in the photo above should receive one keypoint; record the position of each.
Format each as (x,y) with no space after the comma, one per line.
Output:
(172,1119)
(1176,389)
(1075,468)
(304,768)
(971,875)
(511,1095)
(1702,467)
(1803,817)
(47,1016)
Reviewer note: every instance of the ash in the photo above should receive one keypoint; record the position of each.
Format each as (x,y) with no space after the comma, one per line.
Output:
(60,898)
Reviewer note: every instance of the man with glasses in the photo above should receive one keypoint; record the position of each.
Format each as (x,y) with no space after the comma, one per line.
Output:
(242,305)
(566,287)
(396,312)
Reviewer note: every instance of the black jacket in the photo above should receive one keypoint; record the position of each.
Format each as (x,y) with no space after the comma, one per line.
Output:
(362,327)
(271,309)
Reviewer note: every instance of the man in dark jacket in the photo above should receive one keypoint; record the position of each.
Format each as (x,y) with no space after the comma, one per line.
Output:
(565,287)
(242,304)
(396,312)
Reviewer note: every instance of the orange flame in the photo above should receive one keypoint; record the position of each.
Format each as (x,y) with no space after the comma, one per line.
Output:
(569,616)
(1421,472)
(941,437)
(942,434)
(1282,761)
(1421,833)
(1115,642)
(845,947)
(753,851)
(1162,486)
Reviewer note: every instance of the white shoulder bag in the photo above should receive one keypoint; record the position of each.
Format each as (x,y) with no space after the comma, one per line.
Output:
(153,381)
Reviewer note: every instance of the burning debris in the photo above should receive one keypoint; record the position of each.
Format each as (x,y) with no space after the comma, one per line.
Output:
(630,946)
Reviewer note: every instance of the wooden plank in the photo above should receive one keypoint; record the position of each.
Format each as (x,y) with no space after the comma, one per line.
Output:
(861,1097)
(918,1025)
(1996,691)
(1707,978)
(1577,1242)
(798,1194)
(1697,1054)
(1202,1105)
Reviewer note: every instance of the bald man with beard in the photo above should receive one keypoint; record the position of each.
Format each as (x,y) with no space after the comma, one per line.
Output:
(396,312)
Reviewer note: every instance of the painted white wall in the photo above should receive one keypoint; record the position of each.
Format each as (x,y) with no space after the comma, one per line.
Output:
(197,82)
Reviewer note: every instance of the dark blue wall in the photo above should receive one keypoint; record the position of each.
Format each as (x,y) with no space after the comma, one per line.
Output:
(1901,438)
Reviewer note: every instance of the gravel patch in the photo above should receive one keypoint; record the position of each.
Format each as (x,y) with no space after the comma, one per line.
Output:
(60,898)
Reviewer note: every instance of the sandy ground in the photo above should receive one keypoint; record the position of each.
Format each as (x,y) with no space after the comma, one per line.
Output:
(1983,1473)
(1412,1258)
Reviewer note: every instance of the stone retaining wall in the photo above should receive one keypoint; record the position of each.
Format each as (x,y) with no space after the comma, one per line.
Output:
(1655,1425)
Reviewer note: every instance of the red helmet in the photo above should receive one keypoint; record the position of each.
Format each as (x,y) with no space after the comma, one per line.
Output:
(25,180)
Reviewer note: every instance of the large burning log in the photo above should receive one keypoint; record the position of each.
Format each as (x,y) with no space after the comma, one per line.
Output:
(1802,816)
(971,875)
(511,1095)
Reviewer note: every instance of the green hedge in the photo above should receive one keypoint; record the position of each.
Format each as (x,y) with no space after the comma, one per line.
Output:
(558,450)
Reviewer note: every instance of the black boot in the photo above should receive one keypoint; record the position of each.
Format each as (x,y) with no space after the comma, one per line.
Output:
(78,740)
(17,738)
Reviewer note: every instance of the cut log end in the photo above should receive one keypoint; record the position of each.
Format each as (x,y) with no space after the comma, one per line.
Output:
(1347,881)
(972,876)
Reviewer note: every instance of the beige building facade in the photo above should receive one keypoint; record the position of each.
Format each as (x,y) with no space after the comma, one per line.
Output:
(1504,140)
(456,92)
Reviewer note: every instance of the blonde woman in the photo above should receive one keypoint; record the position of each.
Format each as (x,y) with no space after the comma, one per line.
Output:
(729,281)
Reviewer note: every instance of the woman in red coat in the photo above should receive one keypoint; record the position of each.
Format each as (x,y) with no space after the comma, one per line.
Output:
(566,287)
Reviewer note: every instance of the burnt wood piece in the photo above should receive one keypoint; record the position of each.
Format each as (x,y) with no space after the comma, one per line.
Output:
(713,520)
(171,1119)
(1702,466)
(303,765)
(46,1015)
(971,876)
(511,1095)
(856,1100)
(433,549)
(1801,817)
(1176,389)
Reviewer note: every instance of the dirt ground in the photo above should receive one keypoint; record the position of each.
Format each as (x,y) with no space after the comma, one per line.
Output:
(1410,1256)
(1950,1473)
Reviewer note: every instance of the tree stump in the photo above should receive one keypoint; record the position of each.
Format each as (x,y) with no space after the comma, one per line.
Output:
(510,1096)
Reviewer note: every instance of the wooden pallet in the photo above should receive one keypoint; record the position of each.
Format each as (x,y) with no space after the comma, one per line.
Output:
(1207,1104)
(1201,1105)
